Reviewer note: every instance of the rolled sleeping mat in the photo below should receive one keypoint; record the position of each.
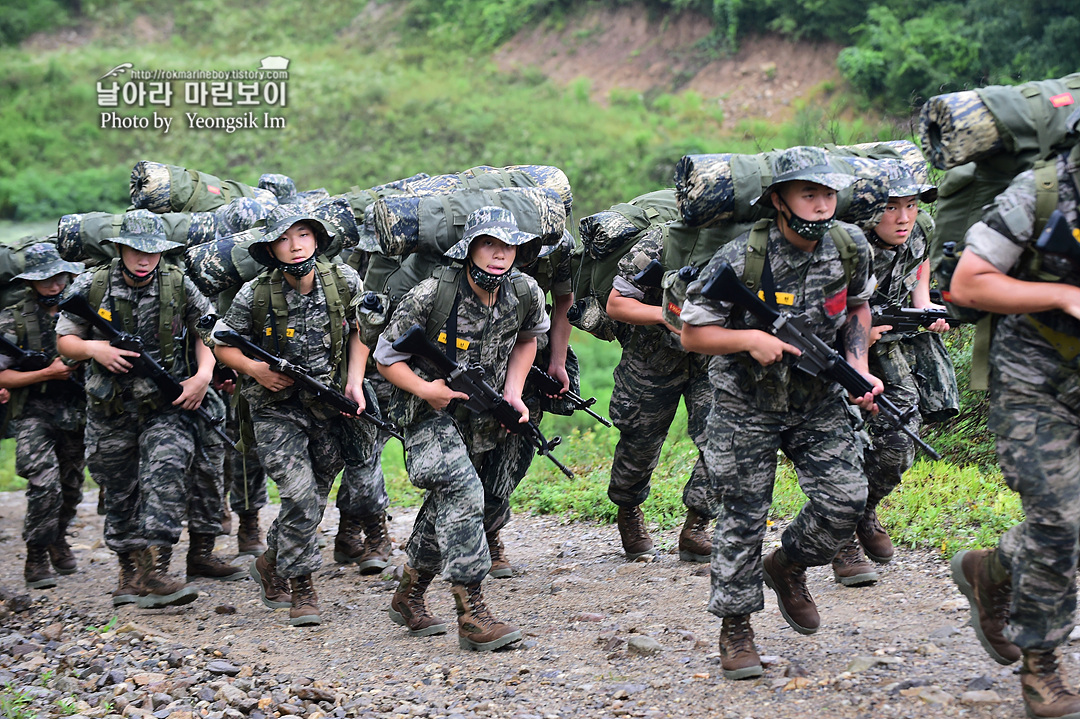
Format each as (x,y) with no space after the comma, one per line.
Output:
(241,213)
(362,202)
(164,188)
(283,186)
(486,177)
(404,224)
(906,151)
(80,237)
(605,232)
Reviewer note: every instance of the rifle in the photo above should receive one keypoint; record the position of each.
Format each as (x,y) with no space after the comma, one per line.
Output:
(325,394)
(548,385)
(144,364)
(482,396)
(651,275)
(1058,238)
(817,358)
(29,360)
(909,319)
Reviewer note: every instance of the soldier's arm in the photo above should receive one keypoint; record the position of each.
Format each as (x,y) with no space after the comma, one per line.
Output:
(356,359)
(194,387)
(978,283)
(435,393)
(920,297)
(13,378)
(856,339)
(521,359)
(631,311)
(559,338)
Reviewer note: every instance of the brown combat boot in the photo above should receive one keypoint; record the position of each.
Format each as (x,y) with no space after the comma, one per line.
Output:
(788,580)
(989,600)
(377,547)
(273,588)
(874,539)
(695,541)
(635,538)
(305,602)
(851,568)
(202,562)
(61,556)
(500,565)
(738,655)
(349,544)
(248,535)
(1046,694)
(407,607)
(157,588)
(127,587)
(37,573)
(477,629)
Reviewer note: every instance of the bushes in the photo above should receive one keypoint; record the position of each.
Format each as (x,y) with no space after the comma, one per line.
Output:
(34,194)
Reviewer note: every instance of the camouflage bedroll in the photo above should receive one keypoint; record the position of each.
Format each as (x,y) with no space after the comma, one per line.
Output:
(486,177)
(284,190)
(717,189)
(225,263)
(241,213)
(1025,122)
(82,238)
(906,151)
(164,188)
(605,232)
(434,223)
(363,201)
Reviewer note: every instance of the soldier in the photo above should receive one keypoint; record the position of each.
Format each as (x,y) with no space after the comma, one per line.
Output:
(297,307)
(1023,593)
(762,404)
(138,447)
(653,373)
(48,410)
(494,318)
(903,274)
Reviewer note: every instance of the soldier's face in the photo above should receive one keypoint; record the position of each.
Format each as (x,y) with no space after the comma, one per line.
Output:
(895,227)
(52,286)
(295,245)
(492,254)
(139,263)
(808,200)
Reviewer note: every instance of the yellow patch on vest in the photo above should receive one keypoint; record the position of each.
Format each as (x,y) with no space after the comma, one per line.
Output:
(105,313)
(461,344)
(782,298)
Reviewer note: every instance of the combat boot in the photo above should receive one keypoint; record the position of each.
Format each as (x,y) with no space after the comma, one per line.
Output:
(37,573)
(788,580)
(477,629)
(377,545)
(248,534)
(635,538)
(851,568)
(407,607)
(873,538)
(1046,694)
(500,565)
(695,543)
(202,562)
(273,588)
(61,556)
(349,544)
(157,588)
(738,655)
(990,598)
(127,587)
(305,602)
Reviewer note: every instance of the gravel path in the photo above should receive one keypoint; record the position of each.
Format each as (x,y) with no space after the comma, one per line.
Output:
(603,638)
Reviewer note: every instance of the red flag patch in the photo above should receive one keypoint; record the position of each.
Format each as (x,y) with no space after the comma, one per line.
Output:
(836,304)
(215,190)
(1062,100)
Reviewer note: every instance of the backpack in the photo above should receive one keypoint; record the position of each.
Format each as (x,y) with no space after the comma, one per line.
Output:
(82,237)
(12,263)
(169,188)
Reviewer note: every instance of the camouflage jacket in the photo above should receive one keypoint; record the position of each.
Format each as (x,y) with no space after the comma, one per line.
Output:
(814,283)
(553,274)
(1024,346)
(486,336)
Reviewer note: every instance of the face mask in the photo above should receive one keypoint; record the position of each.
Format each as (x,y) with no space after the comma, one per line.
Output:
(300,268)
(483,279)
(49,300)
(809,230)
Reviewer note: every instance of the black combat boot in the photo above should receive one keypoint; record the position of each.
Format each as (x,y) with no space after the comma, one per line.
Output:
(37,572)
(377,546)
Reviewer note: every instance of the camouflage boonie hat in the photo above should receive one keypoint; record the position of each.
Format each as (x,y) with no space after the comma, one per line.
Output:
(282,218)
(144,231)
(283,186)
(494,222)
(902,182)
(43,262)
(809,164)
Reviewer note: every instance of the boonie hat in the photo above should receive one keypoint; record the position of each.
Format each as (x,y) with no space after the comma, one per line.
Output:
(43,262)
(280,219)
(809,164)
(902,182)
(493,222)
(144,231)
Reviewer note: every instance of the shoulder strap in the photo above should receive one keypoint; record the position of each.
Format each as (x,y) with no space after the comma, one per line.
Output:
(171,298)
(27,327)
(1046,193)
(100,283)
(448,277)
(524,295)
(336,291)
(755,254)
(260,307)
(849,251)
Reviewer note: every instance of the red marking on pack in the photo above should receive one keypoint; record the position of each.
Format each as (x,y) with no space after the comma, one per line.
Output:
(674,308)
(946,295)
(837,303)
(1062,100)
(215,190)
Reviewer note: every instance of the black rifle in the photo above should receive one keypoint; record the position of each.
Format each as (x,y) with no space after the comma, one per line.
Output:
(1059,238)
(817,358)
(482,396)
(325,394)
(30,360)
(548,385)
(144,364)
(651,275)
(909,319)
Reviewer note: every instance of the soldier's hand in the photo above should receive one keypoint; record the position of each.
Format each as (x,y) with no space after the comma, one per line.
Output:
(268,378)
(5,395)
(866,402)
(877,331)
(767,349)
(939,326)
(114,359)
(57,370)
(356,394)
(559,374)
(438,395)
(192,396)
(517,403)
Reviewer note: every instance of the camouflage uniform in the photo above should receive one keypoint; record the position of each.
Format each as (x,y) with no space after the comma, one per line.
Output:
(758,410)
(1035,416)
(48,435)
(653,373)
(363,487)
(137,446)
(206,485)
(446,451)
(299,441)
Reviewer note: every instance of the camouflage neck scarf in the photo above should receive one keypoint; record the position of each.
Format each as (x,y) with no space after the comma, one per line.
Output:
(809,230)
(299,269)
(49,300)
(484,279)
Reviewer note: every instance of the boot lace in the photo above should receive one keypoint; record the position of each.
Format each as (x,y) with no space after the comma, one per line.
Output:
(305,592)
(495,548)
(739,633)
(480,613)
(635,526)
(1046,668)
(849,554)
(798,583)
(1001,601)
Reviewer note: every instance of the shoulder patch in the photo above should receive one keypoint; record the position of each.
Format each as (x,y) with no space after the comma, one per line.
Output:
(1017,220)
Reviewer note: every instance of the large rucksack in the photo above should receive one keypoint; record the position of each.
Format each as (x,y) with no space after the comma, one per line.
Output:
(84,237)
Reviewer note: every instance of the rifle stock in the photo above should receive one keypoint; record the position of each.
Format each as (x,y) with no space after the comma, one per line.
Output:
(548,385)
(817,358)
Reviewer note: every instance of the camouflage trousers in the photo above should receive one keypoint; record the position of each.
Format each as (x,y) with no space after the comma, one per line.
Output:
(934,375)
(51,461)
(891,451)
(1038,447)
(643,405)
(449,528)
(363,487)
(302,455)
(206,477)
(141,460)
(741,457)
(245,480)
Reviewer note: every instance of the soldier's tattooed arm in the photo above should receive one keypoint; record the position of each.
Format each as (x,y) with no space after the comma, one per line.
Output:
(856,338)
